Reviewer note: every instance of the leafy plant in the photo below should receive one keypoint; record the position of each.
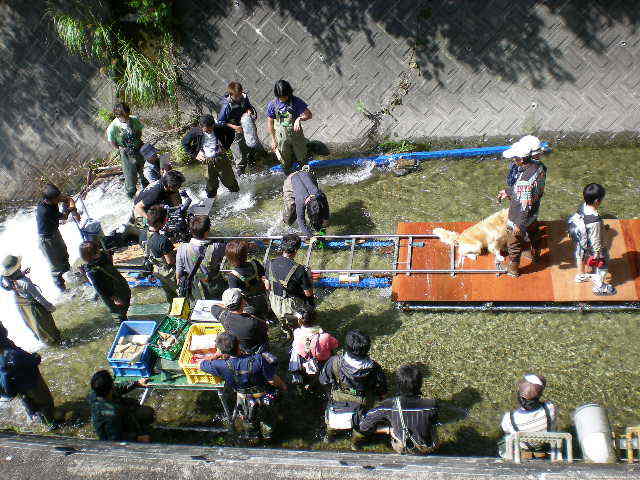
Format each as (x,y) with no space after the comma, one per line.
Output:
(153,12)
(403,146)
(178,153)
(104,116)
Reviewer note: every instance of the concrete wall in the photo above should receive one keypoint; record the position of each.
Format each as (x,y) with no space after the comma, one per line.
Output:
(367,68)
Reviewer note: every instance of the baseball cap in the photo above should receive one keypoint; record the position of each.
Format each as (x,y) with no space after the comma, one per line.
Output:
(231,297)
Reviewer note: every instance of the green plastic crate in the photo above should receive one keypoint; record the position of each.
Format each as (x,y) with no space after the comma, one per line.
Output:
(169,325)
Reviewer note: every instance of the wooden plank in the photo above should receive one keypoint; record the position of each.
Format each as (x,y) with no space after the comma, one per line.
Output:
(550,279)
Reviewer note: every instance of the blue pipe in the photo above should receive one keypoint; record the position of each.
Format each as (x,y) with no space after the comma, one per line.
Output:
(382,160)
(337,244)
(367,282)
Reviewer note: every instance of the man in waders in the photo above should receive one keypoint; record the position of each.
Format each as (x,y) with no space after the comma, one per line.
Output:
(159,253)
(356,381)
(291,290)
(253,378)
(207,144)
(533,415)
(48,218)
(285,115)
(237,104)
(107,280)
(20,377)
(250,278)
(304,200)
(125,135)
(114,417)
(34,309)
(199,262)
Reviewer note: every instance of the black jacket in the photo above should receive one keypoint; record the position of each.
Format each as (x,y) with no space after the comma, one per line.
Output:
(192,141)
(356,376)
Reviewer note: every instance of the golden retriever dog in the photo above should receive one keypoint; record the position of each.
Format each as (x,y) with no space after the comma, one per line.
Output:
(490,233)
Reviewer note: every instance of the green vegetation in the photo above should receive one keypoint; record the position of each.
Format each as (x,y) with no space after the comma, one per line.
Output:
(104,116)
(473,359)
(131,40)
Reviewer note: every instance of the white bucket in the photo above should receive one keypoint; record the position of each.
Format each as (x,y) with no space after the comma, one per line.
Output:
(594,433)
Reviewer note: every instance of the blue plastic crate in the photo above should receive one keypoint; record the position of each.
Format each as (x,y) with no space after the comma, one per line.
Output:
(141,368)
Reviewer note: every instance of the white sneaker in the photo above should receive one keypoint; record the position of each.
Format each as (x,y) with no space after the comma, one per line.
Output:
(582,277)
(604,289)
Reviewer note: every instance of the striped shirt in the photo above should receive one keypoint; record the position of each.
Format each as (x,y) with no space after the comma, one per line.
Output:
(530,420)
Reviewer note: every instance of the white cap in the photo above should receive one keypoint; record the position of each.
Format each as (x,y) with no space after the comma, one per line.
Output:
(231,297)
(531,378)
(517,150)
(532,142)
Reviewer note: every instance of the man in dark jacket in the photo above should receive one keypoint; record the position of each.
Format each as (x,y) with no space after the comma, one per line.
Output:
(117,418)
(107,280)
(48,218)
(354,378)
(207,144)
(252,377)
(303,199)
(250,331)
(20,376)
(163,192)
(236,105)
(409,419)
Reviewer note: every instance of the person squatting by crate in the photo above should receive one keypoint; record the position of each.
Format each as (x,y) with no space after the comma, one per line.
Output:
(106,280)
(48,218)
(207,143)
(34,309)
(237,104)
(304,200)
(533,415)
(198,263)
(285,115)
(114,417)
(587,231)
(311,348)
(125,135)
(525,195)
(20,377)
(253,378)
(355,380)
(410,421)
(159,252)
(291,289)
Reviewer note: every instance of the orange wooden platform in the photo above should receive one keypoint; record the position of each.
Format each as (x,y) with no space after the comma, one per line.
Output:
(548,280)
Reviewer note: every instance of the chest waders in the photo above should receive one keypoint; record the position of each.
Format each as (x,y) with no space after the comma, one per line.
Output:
(248,399)
(253,289)
(291,144)
(203,282)
(37,318)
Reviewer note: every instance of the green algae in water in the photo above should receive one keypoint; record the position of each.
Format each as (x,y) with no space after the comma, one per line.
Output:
(472,359)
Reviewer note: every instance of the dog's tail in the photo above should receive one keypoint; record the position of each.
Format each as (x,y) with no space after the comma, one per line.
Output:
(446,236)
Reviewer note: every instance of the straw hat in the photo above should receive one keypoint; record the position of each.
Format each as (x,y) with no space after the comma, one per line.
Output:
(10,265)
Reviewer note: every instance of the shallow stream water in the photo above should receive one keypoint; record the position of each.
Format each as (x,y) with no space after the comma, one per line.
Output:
(473,359)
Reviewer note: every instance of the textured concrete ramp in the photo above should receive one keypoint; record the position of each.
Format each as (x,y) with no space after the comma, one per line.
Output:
(54,458)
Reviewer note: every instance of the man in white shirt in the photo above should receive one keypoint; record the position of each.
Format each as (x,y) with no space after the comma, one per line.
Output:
(532,416)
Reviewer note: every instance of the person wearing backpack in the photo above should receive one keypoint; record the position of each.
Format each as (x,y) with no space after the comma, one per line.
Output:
(35,310)
(410,420)
(198,263)
(106,280)
(355,380)
(20,377)
(587,231)
(249,277)
(533,415)
(311,348)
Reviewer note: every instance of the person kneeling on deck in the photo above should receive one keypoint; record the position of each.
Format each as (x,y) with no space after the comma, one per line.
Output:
(116,418)
(356,381)
(587,232)
(250,278)
(525,195)
(159,253)
(304,200)
(163,192)
(20,377)
(106,279)
(532,416)
(250,331)
(311,348)
(409,420)
(198,263)
(253,378)
(291,290)
(34,309)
